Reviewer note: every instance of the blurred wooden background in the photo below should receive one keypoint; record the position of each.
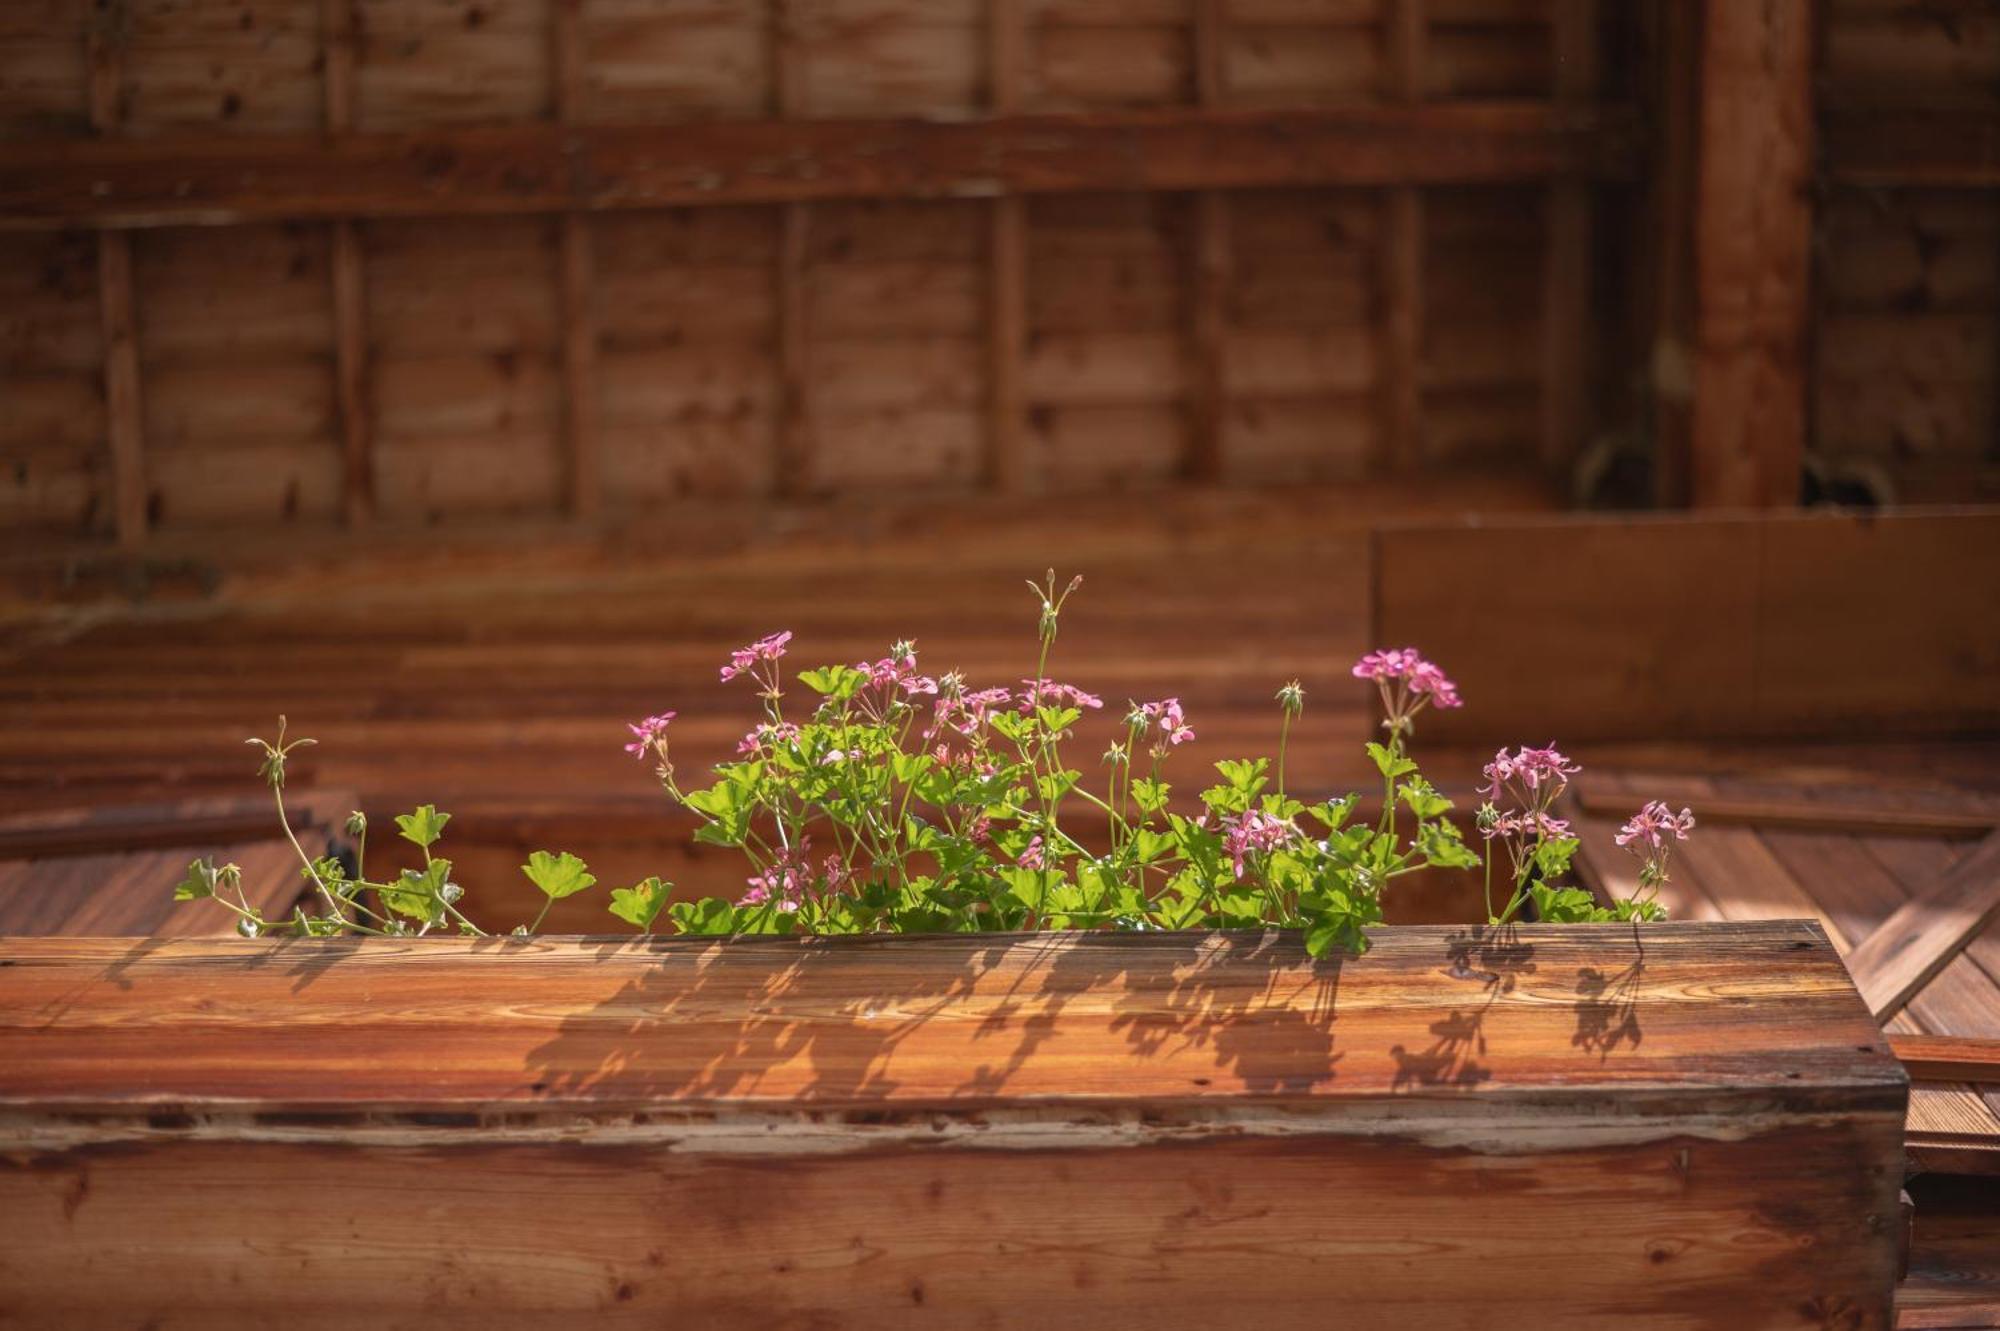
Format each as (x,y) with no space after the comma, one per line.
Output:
(289,265)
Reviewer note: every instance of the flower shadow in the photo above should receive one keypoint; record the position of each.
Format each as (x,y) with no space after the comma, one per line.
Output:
(1607,1005)
(1496,959)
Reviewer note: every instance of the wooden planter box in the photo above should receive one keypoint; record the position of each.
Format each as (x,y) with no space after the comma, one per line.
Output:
(1689,1125)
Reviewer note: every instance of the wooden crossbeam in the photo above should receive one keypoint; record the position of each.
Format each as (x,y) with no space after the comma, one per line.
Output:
(547,168)
(1966,815)
(1925,933)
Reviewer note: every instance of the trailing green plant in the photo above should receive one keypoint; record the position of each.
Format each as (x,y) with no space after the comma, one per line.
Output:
(876,798)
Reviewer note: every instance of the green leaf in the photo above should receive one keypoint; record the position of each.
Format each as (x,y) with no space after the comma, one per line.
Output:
(709,916)
(419,894)
(1388,762)
(558,876)
(835,681)
(1442,847)
(424,826)
(1423,798)
(1333,814)
(198,884)
(907,767)
(1552,857)
(640,904)
(1150,795)
(1244,775)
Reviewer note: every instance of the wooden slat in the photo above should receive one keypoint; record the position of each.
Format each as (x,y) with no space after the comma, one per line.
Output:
(1403,259)
(1753,243)
(1928,931)
(348,289)
(1948,1057)
(1801,809)
(1757,1010)
(532,168)
(1890,148)
(1565,370)
(105,38)
(122,411)
(794,451)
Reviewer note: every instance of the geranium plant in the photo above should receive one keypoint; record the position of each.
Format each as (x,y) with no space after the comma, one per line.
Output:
(874,797)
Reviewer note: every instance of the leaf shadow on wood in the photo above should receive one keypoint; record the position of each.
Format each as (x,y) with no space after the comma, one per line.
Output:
(854,1020)
(1607,1004)
(1493,957)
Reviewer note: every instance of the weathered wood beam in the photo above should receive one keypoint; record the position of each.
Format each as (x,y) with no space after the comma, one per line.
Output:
(1007,464)
(1402,332)
(550,168)
(1854,815)
(1753,253)
(1567,265)
(1898,149)
(1914,944)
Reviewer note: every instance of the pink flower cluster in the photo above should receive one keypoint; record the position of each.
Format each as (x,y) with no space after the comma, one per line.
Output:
(791,880)
(1520,789)
(1168,719)
(1647,830)
(649,734)
(1254,829)
(1048,693)
(1032,856)
(962,712)
(744,660)
(766,735)
(1407,683)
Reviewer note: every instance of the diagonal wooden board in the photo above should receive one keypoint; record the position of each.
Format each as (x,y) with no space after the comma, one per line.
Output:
(1924,934)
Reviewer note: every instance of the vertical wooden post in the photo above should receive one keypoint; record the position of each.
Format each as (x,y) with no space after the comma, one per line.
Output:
(349,287)
(1664,308)
(793,459)
(1752,247)
(1401,444)
(124,418)
(1007,464)
(1208,273)
(576,280)
(1567,263)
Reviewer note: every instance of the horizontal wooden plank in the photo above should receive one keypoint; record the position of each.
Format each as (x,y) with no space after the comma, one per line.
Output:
(1957,149)
(1849,812)
(1948,1057)
(549,168)
(1761,1009)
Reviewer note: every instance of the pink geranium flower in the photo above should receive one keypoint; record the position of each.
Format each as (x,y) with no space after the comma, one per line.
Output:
(1046,693)
(1031,855)
(1168,719)
(745,660)
(648,734)
(1407,683)
(1254,829)
(1649,828)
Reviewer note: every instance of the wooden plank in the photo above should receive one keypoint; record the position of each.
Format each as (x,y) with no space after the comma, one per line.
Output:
(1911,148)
(1402,442)
(1566,271)
(349,288)
(1928,931)
(1773,599)
(576,281)
(122,410)
(532,168)
(1664,311)
(794,452)
(1802,1032)
(1753,247)
(1208,272)
(1948,1057)
(1800,808)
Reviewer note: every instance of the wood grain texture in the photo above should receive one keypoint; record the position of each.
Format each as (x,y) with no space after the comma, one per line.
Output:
(1753,254)
(963,1022)
(1948,1057)
(1923,936)
(532,168)
(1080,1131)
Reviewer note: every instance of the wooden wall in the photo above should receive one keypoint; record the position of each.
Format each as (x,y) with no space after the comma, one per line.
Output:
(1402,280)
(1907,335)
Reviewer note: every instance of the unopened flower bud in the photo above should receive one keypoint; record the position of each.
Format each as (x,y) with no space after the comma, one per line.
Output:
(357,824)
(248,928)
(1292,698)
